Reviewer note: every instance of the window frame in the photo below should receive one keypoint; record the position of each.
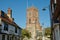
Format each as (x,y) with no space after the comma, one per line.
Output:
(5,26)
(55,1)
(15,29)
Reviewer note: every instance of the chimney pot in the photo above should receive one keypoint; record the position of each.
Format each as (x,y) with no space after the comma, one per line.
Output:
(9,13)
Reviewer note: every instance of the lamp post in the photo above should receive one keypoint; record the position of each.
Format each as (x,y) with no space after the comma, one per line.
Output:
(35,31)
(44,9)
(43,33)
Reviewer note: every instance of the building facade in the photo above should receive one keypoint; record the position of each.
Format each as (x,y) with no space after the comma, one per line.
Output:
(55,19)
(9,30)
(32,22)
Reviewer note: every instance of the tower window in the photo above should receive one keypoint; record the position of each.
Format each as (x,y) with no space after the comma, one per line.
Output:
(35,20)
(29,21)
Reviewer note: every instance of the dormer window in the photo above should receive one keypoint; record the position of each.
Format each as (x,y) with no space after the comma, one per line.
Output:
(15,30)
(2,14)
(6,26)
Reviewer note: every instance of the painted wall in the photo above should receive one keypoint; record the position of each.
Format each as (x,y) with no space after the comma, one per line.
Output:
(57,34)
(11,29)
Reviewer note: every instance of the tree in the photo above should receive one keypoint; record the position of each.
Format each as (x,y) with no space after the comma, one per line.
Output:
(47,31)
(26,33)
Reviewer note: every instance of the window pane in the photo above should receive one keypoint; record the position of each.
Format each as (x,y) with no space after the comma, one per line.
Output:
(5,26)
(15,30)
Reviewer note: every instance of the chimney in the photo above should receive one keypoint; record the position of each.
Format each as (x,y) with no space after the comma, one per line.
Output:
(0,13)
(9,13)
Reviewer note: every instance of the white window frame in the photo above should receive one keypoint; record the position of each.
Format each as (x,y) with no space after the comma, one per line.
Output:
(52,8)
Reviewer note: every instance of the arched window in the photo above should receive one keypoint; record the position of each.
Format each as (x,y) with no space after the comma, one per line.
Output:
(35,20)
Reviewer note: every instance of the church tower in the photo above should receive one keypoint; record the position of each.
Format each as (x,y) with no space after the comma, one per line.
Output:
(32,22)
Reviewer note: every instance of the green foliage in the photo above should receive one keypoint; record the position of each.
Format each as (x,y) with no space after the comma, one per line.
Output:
(26,33)
(47,31)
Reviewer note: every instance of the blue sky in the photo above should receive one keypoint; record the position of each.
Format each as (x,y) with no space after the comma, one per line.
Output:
(19,8)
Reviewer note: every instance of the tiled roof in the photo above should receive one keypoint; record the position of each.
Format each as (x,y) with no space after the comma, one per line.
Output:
(6,19)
